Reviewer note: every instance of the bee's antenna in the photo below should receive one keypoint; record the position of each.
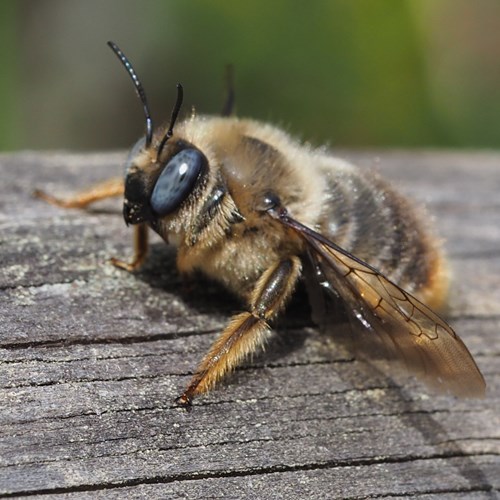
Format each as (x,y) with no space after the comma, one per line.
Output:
(173,119)
(227,109)
(139,89)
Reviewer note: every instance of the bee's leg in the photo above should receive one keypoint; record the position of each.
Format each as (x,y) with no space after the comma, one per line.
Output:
(248,330)
(106,189)
(140,250)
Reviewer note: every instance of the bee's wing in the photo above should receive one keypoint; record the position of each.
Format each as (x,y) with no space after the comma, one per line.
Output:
(393,322)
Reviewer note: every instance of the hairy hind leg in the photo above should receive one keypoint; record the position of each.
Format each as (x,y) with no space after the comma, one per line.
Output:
(246,331)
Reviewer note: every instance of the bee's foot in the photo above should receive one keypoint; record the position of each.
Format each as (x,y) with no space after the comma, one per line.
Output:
(121,264)
(185,402)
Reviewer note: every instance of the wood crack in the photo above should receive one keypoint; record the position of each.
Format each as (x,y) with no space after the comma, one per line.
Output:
(333,464)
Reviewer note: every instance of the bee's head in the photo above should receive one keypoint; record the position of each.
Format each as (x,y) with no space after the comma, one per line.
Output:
(158,182)
(161,172)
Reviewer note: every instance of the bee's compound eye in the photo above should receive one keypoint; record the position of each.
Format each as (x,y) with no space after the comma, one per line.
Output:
(177,181)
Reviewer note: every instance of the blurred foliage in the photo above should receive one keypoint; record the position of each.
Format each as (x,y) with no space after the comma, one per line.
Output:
(352,73)
(9,114)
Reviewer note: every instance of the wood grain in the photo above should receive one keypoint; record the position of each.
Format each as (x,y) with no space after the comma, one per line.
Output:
(91,359)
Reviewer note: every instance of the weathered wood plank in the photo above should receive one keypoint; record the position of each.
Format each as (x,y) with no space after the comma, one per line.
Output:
(91,359)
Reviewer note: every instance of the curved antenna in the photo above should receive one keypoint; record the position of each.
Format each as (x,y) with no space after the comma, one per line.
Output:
(173,119)
(138,88)
(227,109)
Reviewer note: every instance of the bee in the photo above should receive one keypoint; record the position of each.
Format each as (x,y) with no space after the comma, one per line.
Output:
(257,211)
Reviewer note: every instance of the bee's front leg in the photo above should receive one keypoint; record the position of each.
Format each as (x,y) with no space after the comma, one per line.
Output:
(106,189)
(141,245)
(246,331)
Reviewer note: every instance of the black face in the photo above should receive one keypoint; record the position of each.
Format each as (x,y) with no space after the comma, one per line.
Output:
(146,201)
(136,208)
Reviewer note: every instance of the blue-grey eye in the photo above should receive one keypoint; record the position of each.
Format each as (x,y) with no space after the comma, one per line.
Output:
(176,181)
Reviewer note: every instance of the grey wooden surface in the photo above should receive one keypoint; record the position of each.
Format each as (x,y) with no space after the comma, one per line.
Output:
(91,359)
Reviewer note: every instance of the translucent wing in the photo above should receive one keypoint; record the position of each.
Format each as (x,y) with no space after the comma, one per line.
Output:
(395,324)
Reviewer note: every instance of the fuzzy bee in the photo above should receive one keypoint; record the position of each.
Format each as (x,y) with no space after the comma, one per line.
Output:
(250,207)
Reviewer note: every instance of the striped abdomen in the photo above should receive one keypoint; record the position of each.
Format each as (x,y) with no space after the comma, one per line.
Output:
(367,218)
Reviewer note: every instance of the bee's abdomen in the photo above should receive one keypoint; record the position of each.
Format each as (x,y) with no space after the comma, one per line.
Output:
(370,220)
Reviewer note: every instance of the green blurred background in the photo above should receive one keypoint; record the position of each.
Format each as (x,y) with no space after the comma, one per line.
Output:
(351,73)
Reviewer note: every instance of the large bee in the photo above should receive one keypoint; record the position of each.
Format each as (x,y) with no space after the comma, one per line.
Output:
(250,207)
